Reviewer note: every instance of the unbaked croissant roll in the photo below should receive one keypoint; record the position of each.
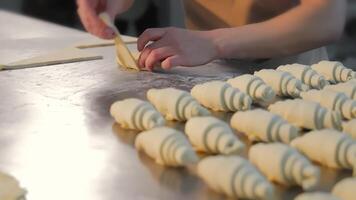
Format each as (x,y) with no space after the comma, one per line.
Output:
(284,164)
(283,83)
(349,127)
(332,100)
(235,177)
(166,146)
(271,127)
(10,188)
(316,196)
(328,147)
(136,114)
(220,96)
(306,114)
(348,88)
(252,85)
(305,74)
(334,72)
(175,104)
(345,189)
(211,135)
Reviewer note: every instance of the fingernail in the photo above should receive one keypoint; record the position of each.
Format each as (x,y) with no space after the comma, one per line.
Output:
(109,32)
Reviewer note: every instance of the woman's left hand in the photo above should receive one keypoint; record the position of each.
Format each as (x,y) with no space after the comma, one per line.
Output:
(175,47)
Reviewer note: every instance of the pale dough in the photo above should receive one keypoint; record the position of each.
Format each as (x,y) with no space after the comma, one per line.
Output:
(166,146)
(306,114)
(220,96)
(345,189)
(316,196)
(283,83)
(63,56)
(348,88)
(136,114)
(332,100)
(211,135)
(175,104)
(10,188)
(349,127)
(328,147)
(122,52)
(236,177)
(270,128)
(94,42)
(252,85)
(284,164)
(334,72)
(305,74)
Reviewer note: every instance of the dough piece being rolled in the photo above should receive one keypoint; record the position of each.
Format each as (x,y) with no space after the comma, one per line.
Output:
(349,127)
(284,164)
(220,96)
(211,135)
(175,104)
(348,88)
(235,177)
(252,85)
(306,114)
(283,83)
(334,72)
(316,196)
(136,114)
(305,74)
(332,100)
(345,189)
(271,127)
(166,146)
(328,147)
(10,188)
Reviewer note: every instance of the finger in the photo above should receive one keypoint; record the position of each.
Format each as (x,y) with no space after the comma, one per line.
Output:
(149,35)
(172,61)
(156,55)
(146,51)
(92,22)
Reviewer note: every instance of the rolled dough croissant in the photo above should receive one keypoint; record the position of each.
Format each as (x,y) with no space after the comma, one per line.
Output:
(175,104)
(306,114)
(332,100)
(167,146)
(136,114)
(345,189)
(271,127)
(316,196)
(349,127)
(220,96)
(10,188)
(305,74)
(348,88)
(328,147)
(235,177)
(283,83)
(211,135)
(284,164)
(252,85)
(334,72)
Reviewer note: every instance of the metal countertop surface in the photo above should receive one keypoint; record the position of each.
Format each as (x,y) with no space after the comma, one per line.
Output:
(56,134)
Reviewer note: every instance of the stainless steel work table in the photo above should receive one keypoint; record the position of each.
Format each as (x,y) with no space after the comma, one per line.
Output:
(56,134)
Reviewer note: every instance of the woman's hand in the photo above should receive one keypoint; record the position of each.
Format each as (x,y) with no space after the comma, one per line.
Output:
(89,10)
(175,47)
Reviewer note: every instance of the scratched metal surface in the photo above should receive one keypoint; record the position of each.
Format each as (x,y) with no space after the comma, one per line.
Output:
(57,138)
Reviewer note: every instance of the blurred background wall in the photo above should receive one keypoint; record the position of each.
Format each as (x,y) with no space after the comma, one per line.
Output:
(160,13)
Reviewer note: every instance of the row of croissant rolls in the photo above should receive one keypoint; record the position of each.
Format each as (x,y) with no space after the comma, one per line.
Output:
(325,103)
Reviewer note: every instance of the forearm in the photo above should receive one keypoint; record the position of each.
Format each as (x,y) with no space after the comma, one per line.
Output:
(312,24)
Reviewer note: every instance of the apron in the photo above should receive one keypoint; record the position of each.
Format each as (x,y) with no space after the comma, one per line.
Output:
(213,14)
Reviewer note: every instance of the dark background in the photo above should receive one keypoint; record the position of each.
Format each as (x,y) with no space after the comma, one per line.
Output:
(160,13)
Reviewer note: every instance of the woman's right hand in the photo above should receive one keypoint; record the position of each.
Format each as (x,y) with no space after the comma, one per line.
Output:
(89,11)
